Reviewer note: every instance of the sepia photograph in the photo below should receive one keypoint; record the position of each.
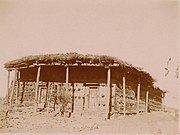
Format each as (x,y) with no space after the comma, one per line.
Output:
(89,67)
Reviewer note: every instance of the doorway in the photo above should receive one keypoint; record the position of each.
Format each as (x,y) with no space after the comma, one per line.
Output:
(93,97)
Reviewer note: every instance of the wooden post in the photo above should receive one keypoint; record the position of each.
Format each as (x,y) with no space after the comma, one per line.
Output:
(22,92)
(19,76)
(124,96)
(67,76)
(110,101)
(37,89)
(58,99)
(89,98)
(17,89)
(147,99)
(13,87)
(47,87)
(8,89)
(55,98)
(49,99)
(72,98)
(162,104)
(39,95)
(138,97)
(67,86)
(109,92)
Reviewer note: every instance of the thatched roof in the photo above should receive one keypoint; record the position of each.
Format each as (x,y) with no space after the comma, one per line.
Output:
(72,58)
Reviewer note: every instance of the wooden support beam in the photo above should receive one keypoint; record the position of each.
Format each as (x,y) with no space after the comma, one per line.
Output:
(47,87)
(83,102)
(89,97)
(110,101)
(162,102)
(58,99)
(55,99)
(8,89)
(49,99)
(138,97)
(72,97)
(37,89)
(67,76)
(19,73)
(13,87)
(67,79)
(39,95)
(124,96)
(22,95)
(109,77)
(17,89)
(147,99)
(109,92)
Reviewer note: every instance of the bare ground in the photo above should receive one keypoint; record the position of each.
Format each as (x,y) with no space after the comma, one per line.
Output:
(22,120)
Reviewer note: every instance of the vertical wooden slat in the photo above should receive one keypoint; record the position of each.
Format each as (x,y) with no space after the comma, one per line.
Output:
(22,95)
(147,99)
(49,98)
(110,102)
(37,89)
(124,96)
(109,92)
(47,87)
(13,87)
(67,83)
(39,95)
(17,89)
(55,97)
(67,76)
(19,73)
(109,78)
(72,98)
(58,99)
(89,97)
(138,97)
(162,102)
(8,90)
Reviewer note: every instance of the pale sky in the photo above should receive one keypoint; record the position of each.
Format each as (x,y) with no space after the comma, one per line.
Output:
(141,32)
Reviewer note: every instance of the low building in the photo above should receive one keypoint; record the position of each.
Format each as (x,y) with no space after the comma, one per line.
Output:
(82,82)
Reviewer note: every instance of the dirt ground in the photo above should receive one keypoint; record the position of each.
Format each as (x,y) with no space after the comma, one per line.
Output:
(22,119)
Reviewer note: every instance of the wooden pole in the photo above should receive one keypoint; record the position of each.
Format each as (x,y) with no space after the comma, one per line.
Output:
(45,105)
(67,87)
(124,96)
(67,76)
(13,87)
(17,90)
(37,89)
(110,102)
(73,98)
(19,76)
(89,98)
(147,99)
(162,102)
(138,97)
(49,99)
(39,95)
(58,98)
(55,98)
(109,92)
(8,89)
(22,95)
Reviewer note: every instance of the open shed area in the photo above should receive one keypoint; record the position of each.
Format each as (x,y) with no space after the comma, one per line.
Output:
(72,82)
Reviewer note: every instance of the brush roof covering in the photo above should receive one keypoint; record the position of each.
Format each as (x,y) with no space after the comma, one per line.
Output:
(72,58)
